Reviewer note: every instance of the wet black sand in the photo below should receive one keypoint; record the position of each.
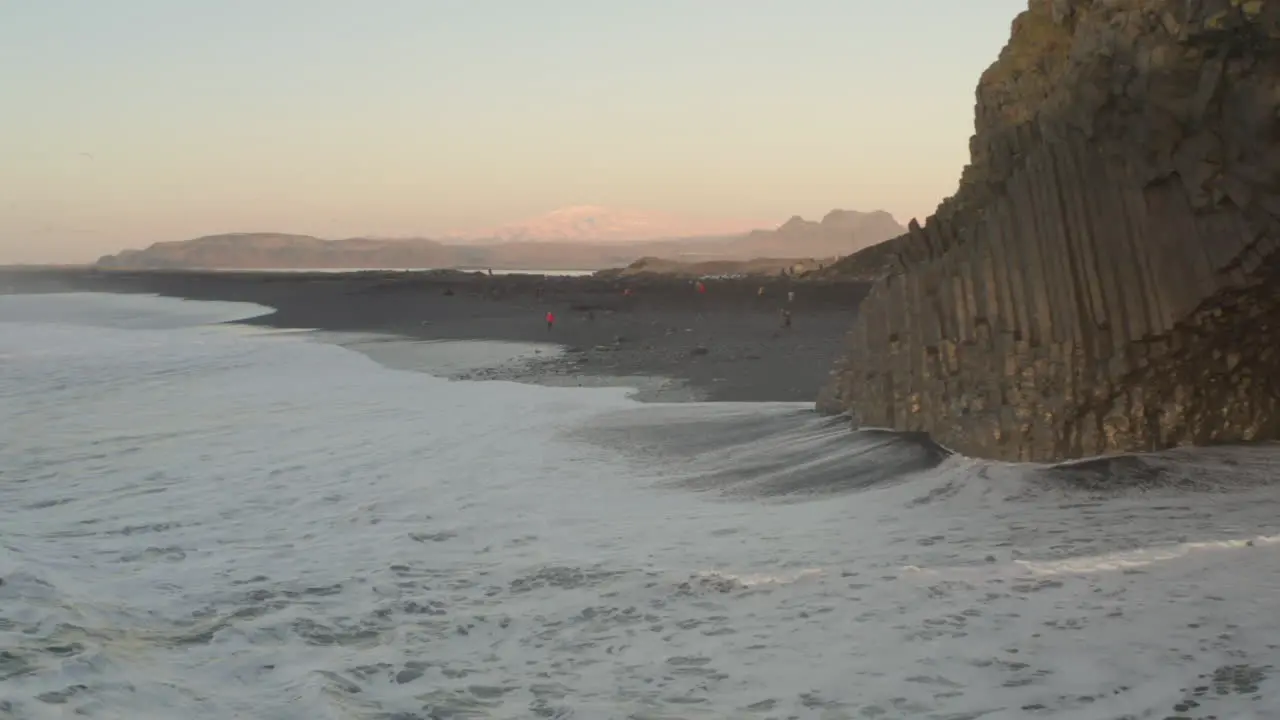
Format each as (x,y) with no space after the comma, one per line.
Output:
(727,344)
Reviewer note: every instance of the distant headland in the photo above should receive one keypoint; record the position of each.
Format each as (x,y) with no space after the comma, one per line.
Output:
(563,240)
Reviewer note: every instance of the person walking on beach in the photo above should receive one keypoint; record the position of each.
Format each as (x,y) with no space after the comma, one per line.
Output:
(791,296)
(786,319)
(551,320)
(702,289)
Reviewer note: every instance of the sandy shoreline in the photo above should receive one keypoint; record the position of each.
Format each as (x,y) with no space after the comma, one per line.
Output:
(727,344)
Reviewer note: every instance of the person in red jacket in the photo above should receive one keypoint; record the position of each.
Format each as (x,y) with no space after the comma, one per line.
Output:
(701,287)
(551,319)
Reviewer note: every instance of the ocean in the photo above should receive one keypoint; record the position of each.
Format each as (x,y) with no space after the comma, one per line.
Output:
(202,520)
(352,271)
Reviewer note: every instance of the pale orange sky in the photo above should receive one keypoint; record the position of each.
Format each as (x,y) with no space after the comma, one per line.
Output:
(137,121)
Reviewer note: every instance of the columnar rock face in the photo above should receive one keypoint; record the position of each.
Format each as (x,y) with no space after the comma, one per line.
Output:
(1106,278)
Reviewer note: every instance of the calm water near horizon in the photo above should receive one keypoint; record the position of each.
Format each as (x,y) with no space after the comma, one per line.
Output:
(564,273)
(208,521)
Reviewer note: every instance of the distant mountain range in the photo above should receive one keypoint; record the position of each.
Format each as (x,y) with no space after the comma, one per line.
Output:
(582,238)
(592,223)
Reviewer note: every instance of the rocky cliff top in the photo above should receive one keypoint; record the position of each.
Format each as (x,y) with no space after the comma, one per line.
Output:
(1142,78)
(1172,89)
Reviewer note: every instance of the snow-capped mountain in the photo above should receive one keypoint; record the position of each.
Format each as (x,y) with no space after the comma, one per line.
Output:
(601,224)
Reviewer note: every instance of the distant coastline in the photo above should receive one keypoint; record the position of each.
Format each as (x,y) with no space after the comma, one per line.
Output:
(839,233)
(42,267)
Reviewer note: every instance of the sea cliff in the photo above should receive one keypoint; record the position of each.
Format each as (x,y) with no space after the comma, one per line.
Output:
(1105,278)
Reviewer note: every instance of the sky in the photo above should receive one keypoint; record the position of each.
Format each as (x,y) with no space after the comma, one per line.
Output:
(129,122)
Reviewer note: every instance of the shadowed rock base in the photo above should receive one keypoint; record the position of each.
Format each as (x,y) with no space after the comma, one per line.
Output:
(1106,279)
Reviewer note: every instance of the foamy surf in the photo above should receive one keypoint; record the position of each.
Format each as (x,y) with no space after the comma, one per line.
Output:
(730,580)
(1107,562)
(1119,561)
(203,523)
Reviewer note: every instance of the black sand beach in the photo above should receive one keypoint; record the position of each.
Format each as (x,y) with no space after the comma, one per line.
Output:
(727,344)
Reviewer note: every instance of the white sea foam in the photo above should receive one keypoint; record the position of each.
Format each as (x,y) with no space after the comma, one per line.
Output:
(1132,559)
(201,522)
